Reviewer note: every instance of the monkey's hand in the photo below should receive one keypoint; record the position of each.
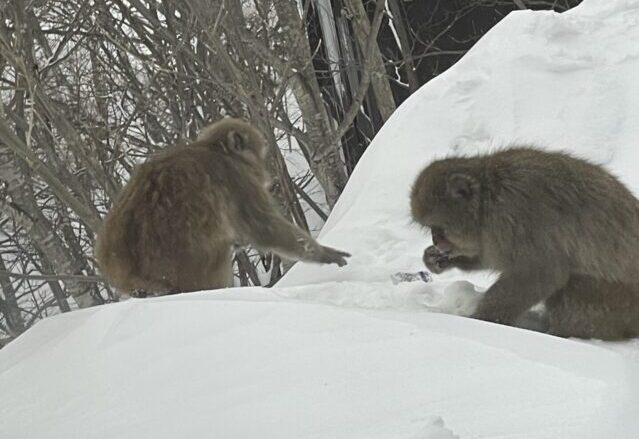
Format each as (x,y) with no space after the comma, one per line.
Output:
(435,260)
(328,255)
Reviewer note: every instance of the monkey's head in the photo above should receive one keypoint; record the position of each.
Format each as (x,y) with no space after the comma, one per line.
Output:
(446,198)
(235,137)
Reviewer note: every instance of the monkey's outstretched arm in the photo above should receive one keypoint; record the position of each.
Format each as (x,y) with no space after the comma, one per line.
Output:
(270,231)
(517,291)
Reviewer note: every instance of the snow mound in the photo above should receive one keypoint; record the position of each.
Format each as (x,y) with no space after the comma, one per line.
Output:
(435,430)
(344,353)
(247,363)
(457,298)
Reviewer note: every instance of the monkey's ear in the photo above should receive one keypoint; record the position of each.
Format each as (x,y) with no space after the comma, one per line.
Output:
(241,142)
(462,186)
(235,142)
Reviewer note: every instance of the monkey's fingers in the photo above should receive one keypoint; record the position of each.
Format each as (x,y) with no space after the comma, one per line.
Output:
(334,256)
(435,260)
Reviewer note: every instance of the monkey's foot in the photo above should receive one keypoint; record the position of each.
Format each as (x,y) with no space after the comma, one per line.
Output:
(533,321)
(139,294)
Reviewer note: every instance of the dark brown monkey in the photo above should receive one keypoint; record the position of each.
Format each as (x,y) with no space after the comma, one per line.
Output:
(174,226)
(558,229)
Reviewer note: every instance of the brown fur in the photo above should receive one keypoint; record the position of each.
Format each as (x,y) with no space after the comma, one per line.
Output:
(557,228)
(173,227)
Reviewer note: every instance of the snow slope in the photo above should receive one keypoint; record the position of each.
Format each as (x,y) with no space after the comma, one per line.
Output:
(252,365)
(343,353)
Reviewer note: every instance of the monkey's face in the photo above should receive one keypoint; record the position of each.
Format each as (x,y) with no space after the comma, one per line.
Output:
(445,198)
(440,240)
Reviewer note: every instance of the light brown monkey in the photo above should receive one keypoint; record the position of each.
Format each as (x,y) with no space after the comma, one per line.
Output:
(174,226)
(558,229)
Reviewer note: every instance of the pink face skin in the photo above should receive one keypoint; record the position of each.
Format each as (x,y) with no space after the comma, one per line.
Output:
(440,241)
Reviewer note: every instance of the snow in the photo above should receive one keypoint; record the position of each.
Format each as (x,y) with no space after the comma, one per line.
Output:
(251,364)
(344,353)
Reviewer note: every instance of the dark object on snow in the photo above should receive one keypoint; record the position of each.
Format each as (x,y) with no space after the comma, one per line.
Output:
(400,277)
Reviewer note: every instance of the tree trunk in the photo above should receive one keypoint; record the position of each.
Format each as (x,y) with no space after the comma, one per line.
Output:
(9,306)
(379,81)
(404,44)
(324,157)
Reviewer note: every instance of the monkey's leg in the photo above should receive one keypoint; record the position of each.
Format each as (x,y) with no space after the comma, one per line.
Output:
(516,292)
(533,320)
(588,307)
(207,271)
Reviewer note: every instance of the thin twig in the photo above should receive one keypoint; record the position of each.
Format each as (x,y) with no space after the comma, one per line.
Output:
(54,277)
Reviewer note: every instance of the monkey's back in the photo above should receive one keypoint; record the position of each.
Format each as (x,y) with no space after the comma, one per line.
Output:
(553,205)
(171,222)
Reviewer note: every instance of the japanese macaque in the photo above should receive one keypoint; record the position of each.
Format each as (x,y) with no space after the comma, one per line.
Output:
(175,224)
(560,231)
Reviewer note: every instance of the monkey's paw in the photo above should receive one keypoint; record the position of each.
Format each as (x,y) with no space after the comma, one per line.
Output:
(330,255)
(436,260)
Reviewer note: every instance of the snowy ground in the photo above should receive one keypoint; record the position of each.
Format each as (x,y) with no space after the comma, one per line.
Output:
(344,353)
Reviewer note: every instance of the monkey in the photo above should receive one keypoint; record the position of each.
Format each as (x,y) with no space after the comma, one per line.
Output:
(558,229)
(175,224)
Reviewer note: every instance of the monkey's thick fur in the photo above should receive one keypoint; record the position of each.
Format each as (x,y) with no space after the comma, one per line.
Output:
(173,227)
(558,229)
